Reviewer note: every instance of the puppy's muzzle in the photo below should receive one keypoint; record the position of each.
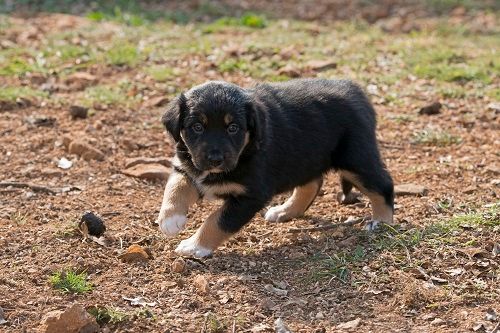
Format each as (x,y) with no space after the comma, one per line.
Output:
(215,158)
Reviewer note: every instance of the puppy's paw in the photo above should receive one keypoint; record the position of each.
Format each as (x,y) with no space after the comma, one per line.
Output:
(172,225)
(190,247)
(278,214)
(372,225)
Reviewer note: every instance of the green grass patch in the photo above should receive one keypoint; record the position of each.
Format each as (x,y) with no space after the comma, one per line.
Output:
(12,63)
(161,73)
(338,265)
(248,20)
(431,137)
(11,93)
(108,315)
(123,54)
(214,325)
(103,94)
(68,281)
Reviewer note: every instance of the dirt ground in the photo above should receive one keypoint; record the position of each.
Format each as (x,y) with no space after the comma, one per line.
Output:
(436,270)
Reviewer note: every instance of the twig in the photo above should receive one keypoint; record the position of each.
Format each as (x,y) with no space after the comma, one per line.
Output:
(34,187)
(329,226)
(496,329)
(234,326)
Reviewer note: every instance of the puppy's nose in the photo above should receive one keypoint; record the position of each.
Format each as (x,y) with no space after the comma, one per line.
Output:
(215,158)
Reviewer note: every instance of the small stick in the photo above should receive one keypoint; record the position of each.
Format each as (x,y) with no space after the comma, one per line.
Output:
(34,187)
(330,226)
(496,329)
(234,326)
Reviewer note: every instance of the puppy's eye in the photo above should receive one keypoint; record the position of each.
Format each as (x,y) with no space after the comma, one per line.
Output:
(197,128)
(232,128)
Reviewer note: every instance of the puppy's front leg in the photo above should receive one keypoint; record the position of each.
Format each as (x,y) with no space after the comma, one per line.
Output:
(179,194)
(220,225)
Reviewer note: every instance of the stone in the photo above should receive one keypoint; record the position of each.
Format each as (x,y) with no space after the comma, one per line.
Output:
(130,162)
(410,189)
(78,112)
(178,265)
(148,171)
(434,108)
(72,320)
(349,324)
(135,253)
(85,150)
(201,284)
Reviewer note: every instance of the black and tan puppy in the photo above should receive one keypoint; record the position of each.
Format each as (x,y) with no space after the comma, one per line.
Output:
(246,145)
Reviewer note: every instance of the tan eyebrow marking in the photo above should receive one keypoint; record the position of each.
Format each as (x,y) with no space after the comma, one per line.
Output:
(228,118)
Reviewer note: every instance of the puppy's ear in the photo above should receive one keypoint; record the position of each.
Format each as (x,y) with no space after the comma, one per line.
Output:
(256,123)
(174,115)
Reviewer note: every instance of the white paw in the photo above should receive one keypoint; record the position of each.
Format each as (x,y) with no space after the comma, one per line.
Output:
(276,214)
(171,225)
(371,225)
(190,247)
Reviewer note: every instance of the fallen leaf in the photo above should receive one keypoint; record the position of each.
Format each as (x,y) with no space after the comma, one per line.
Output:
(139,301)
(455,271)
(135,253)
(350,324)
(473,252)
(491,315)
(2,317)
(438,279)
(276,291)
(280,326)
(496,250)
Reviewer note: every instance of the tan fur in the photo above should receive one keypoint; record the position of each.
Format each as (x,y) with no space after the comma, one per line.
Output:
(381,211)
(228,118)
(302,197)
(178,196)
(209,235)
(212,191)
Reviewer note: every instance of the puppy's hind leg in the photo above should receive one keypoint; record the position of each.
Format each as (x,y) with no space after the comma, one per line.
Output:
(347,197)
(378,187)
(302,197)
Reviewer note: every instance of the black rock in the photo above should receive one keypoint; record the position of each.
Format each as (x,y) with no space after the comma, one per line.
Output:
(94,224)
(433,108)
(77,111)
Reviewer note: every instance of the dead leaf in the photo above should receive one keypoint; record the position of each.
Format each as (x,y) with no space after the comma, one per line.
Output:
(139,301)
(491,315)
(281,326)
(496,250)
(135,253)
(350,324)
(201,283)
(455,271)
(2,317)
(276,291)
(473,252)
(438,279)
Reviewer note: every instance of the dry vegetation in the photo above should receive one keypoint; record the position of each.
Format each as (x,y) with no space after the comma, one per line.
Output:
(437,270)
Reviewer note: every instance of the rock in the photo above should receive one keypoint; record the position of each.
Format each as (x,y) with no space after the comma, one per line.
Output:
(431,109)
(349,324)
(92,224)
(321,65)
(130,162)
(410,189)
(139,301)
(135,253)
(155,102)
(148,171)
(178,265)
(85,150)
(289,71)
(40,121)
(201,284)
(350,199)
(72,320)
(64,163)
(77,111)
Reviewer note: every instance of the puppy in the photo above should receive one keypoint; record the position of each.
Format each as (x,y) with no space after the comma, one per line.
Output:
(246,145)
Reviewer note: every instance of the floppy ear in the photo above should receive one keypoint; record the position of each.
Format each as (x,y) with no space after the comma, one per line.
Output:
(174,115)
(256,123)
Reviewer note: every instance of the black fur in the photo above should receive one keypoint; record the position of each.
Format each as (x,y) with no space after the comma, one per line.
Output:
(299,130)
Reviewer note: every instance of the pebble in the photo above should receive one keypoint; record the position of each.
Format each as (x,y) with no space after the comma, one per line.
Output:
(72,320)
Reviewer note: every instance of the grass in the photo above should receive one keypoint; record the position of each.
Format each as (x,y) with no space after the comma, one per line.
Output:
(432,137)
(123,54)
(103,94)
(12,93)
(68,281)
(338,265)
(161,73)
(248,20)
(214,325)
(108,315)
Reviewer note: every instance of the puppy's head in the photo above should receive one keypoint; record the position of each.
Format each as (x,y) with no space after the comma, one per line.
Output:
(216,121)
